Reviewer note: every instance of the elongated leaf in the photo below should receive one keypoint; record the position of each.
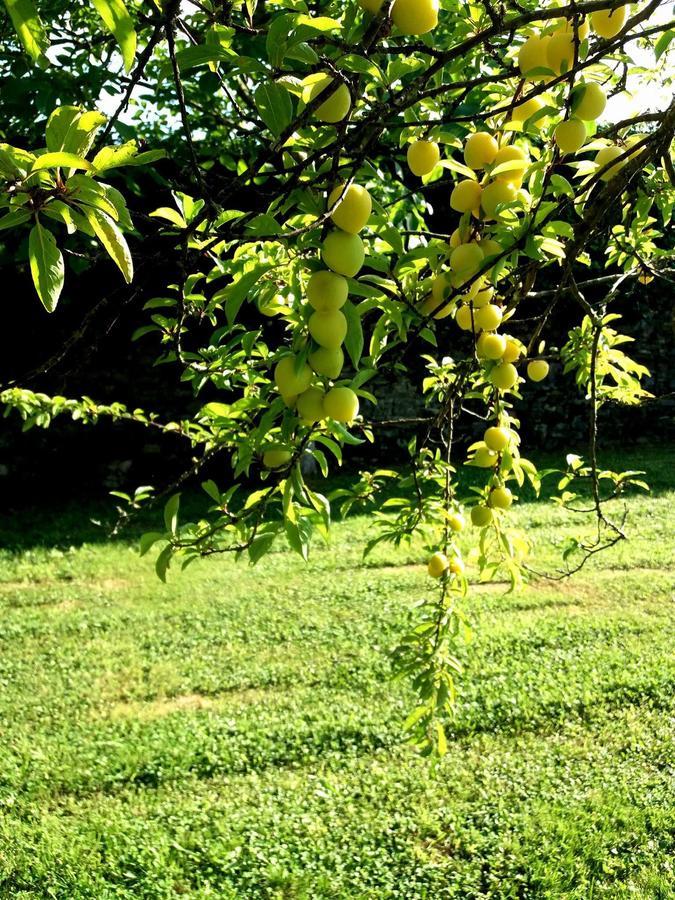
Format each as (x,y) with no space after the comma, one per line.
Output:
(12,219)
(60,160)
(354,339)
(112,240)
(274,105)
(125,155)
(82,132)
(46,266)
(29,28)
(58,126)
(171,513)
(117,20)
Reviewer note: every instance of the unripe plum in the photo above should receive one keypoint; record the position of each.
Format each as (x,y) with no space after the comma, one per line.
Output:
(327,291)
(497,438)
(500,498)
(329,329)
(570,136)
(517,157)
(423,157)
(607,23)
(495,193)
(438,565)
(560,52)
(537,370)
(489,317)
(341,404)
(464,318)
(480,150)
(276,457)
(589,101)
(466,259)
(343,253)
(354,209)
(533,55)
(336,106)
(327,362)
(481,516)
(310,405)
(466,196)
(456,521)
(504,376)
(415,16)
(606,156)
(491,346)
(290,380)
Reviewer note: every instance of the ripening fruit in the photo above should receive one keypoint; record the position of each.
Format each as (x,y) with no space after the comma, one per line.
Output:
(440,287)
(500,498)
(456,566)
(606,156)
(310,405)
(489,317)
(276,457)
(482,297)
(560,52)
(504,376)
(415,16)
(497,438)
(464,318)
(570,136)
(438,565)
(537,370)
(371,6)
(336,106)
(490,247)
(583,28)
(527,109)
(327,291)
(329,329)
(423,157)
(343,253)
(481,516)
(290,381)
(480,150)
(495,193)
(607,23)
(466,259)
(589,101)
(327,362)
(533,55)
(436,306)
(514,173)
(490,346)
(466,196)
(341,404)
(459,236)
(456,521)
(484,458)
(354,209)
(512,352)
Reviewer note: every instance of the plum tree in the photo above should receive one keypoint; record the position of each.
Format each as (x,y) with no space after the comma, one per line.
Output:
(292,266)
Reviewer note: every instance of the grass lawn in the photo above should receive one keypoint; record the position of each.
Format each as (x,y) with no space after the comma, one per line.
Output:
(235,734)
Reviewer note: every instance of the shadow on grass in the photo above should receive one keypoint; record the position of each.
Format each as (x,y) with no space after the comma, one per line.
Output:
(88,520)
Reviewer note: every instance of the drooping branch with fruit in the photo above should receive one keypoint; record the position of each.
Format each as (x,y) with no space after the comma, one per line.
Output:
(304,264)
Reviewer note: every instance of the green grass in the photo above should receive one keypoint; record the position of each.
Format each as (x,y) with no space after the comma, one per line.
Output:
(235,734)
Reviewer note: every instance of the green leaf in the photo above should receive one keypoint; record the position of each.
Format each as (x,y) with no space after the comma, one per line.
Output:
(46,266)
(171,513)
(125,155)
(112,240)
(120,24)
(12,219)
(274,104)
(149,539)
(30,29)
(354,339)
(58,126)
(663,43)
(60,160)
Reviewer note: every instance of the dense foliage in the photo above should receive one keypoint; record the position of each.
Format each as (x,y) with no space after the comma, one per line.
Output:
(306,144)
